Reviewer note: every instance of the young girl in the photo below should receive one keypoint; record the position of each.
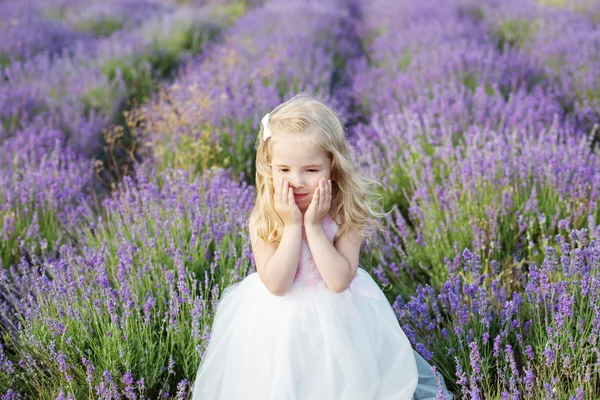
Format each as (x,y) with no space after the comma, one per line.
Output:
(310,324)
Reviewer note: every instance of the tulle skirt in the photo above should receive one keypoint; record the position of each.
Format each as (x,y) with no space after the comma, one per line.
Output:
(310,344)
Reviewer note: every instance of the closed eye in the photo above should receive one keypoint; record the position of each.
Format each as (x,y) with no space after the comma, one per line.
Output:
(308,170)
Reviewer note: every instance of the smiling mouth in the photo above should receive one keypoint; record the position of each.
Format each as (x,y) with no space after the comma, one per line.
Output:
(300,195)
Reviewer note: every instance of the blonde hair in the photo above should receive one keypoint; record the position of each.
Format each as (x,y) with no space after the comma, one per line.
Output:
(351,195)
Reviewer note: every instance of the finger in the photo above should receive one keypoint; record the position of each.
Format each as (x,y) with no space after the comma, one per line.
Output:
(284,192)
(291,198)
(276,187)
(322,191)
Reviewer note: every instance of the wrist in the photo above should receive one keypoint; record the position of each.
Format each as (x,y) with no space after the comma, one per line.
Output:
(310,226)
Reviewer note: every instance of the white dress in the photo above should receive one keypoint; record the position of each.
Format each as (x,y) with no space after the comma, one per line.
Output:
(311,344)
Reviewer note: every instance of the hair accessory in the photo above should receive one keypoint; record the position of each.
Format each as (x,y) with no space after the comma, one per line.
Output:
(265,124)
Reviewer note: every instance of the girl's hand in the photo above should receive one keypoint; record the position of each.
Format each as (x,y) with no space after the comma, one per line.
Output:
(320,203)
(285,205)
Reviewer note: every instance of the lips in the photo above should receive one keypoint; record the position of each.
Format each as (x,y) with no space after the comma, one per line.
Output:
(300,195)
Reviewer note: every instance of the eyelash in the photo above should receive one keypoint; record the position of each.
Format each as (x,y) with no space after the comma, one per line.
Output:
(310,170)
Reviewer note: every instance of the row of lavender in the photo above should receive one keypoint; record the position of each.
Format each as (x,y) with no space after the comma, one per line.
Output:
(55,102)
(71,85)
(481,118)
(28,28)
(209,117)
(127,313)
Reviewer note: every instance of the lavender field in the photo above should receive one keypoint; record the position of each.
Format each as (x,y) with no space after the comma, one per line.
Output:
(127,131)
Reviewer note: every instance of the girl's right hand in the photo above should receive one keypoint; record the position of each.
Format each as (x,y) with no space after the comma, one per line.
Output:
(285,205)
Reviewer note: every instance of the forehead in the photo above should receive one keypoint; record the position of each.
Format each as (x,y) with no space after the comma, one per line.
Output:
(297,149)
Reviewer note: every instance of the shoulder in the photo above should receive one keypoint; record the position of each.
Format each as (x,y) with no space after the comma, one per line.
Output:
(252,219)
(349,233)
(258,244)
(348,244)
(253,228)
(252,223)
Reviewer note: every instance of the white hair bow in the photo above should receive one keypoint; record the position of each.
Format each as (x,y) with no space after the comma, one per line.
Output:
(265,124)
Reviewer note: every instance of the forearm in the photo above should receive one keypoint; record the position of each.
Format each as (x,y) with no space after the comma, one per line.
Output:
(333,267)
(281,268)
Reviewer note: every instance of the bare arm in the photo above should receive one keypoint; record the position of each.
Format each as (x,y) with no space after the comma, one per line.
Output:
(277,266)
(337,263)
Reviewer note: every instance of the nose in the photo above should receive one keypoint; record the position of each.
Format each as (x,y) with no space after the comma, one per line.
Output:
(297,182)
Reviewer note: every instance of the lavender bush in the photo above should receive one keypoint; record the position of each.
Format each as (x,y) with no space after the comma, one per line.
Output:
(565,41)
(84,89)
(464,158)
(71,99)
(129,316)
(42,197)
(209,115)
(499,193)
(18,41)
(534,339)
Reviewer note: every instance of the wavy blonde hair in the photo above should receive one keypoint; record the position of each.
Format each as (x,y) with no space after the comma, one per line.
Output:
(352,198)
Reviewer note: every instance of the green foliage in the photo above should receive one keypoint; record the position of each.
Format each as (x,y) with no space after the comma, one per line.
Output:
(33,231)
(405,60)
(515,33)
(369,38)
(4,60)
(53,13)
(552,3)
(442,231)
(102,27)
(470,81)
(472,10)
(106,317)
(535,329)
(136,72)
(102,99)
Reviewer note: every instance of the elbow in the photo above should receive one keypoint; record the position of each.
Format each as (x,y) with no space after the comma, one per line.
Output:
(274,287)
(276,290)
(342,285)
(279,292)
(338,287)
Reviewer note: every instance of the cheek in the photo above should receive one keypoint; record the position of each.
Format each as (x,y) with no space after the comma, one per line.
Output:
(276,174)
(314,183)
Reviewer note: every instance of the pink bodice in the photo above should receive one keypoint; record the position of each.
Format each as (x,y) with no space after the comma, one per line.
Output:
(307,274)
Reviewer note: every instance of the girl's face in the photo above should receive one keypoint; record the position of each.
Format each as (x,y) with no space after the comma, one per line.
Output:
(301,163)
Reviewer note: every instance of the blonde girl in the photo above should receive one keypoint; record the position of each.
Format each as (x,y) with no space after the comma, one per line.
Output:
(310,324)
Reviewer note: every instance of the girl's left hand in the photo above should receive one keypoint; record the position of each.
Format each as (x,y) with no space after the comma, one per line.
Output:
(320,204)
